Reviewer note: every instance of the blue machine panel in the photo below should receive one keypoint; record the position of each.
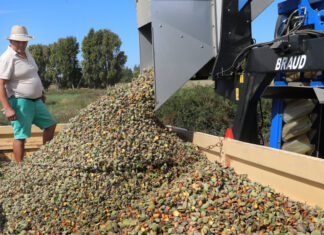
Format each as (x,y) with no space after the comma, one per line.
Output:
(313,17)
(317,84)
(276,124)
(277,109)
(312,9)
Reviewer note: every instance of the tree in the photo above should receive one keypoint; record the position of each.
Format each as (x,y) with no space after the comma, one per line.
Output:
(62,66)
(52,71)
(127,75)
(67,63)
(103,61)
(58,63)
(40,55)
(89,64)
(136,71)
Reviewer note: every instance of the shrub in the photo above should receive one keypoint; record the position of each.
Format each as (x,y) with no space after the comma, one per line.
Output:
(201,109)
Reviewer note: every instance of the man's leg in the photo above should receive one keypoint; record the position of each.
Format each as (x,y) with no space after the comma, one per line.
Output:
(48,133)
(18,149)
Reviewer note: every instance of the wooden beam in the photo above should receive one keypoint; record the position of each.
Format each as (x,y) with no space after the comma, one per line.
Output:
(32,144)
(297,176)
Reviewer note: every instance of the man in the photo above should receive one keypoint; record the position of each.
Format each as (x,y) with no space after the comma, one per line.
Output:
(21,92)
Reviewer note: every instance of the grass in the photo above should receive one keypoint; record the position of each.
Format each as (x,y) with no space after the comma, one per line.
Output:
(65,104)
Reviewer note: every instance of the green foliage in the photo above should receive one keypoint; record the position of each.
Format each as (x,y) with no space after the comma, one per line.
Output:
(51,68)
(63,63)
(58,63)
(103,63)
(136,71)
(67,62)
(266,114)
(40,55)
(201,109)
(127,75)
(198,109)
(102,59)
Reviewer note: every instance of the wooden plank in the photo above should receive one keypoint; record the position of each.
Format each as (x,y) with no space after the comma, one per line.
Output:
(297,176)
(292,186)
(7,130)
(203,141)
(4,130)
(309,168)
(32,144)
(206,141)
(8,155)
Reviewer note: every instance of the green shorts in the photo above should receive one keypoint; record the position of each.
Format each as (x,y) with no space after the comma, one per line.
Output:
(29,112)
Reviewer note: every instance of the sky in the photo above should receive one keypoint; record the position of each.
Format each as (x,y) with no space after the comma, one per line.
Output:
(49,20)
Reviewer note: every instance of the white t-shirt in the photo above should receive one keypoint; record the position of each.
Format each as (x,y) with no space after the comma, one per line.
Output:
(21,75)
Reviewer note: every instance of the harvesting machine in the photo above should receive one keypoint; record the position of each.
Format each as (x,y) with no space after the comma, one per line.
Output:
(195,39)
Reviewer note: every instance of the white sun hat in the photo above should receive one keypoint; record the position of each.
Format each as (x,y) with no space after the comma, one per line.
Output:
(19,33)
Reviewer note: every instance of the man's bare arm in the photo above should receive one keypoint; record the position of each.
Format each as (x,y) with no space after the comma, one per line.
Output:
(10,113)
